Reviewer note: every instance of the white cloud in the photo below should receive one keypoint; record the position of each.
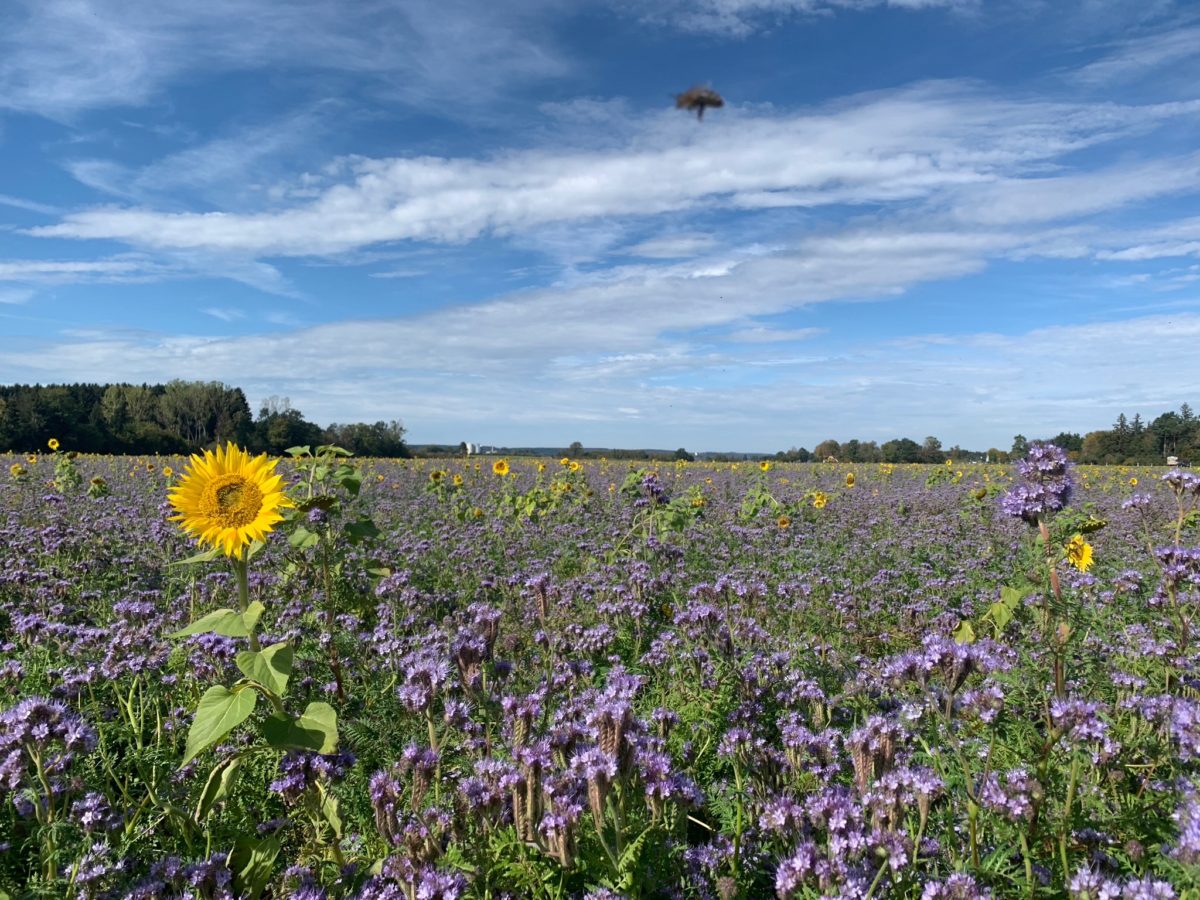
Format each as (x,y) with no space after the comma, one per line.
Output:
(673,246)
(972,389)
(225,314)
(47,271)
(136,268)
(942,144)
(29,205)
(568,355)
(1142,56)
(1170,239)
(760,334)
(59,57)
(1034,200)
(738,18)
(236,169)
(13,296)
(400,273)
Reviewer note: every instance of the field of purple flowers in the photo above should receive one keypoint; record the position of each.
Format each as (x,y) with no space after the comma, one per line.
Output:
(513,679)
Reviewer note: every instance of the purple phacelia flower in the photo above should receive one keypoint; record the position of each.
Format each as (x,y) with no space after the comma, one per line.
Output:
(1147,888)
(1045,487)
(959,886)
(1187,848)
(299,770)
(1015,798)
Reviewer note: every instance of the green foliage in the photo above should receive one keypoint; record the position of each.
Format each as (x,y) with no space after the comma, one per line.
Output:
(219,712)
(66,476)
(227,622)
(252,862)
(218,787)
(315,730)
(176,417)
(270,667)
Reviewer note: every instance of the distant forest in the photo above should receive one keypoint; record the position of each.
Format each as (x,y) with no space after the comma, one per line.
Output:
(184,416)
(1127,442)
(177,417)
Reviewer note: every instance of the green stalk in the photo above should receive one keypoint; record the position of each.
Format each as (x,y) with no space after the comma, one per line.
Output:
(737,826)
(1028,863)
(242,569)
(1060,673)
(334,661)
(433,745)
(1066,825)
(47,829)
(875,882)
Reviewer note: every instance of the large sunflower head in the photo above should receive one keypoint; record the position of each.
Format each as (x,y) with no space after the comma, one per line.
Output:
(228,499)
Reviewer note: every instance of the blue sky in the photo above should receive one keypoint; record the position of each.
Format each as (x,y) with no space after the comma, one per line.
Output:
(960,218)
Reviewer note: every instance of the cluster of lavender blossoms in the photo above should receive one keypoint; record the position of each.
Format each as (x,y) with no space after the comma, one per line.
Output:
(39,740)
(1045,487)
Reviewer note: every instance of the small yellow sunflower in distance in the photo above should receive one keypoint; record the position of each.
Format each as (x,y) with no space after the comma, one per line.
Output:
(52,443)
(228,499)
(1079,553)
(500,467)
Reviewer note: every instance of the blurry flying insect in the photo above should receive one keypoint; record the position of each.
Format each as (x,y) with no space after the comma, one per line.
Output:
(698,98)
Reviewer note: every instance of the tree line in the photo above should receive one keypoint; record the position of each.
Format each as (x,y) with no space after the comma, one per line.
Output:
(176,417)
(1136,442)
(1128,442)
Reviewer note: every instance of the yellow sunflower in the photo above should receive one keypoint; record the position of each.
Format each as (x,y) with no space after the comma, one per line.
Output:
(228,499)
(574,466)
(500,467)
(167,471)
(52,443)
(820,498)
(31,458)
(458,480)
(783,522)
(16,470)
(765,466)
(849,479)
(1079,553)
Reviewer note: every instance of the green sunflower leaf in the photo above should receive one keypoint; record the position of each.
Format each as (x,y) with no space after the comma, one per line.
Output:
(227,622)
(270,666)
(206,556)
(315,730)
(219,712)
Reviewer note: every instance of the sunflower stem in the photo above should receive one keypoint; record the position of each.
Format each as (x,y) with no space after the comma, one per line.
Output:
(242,568)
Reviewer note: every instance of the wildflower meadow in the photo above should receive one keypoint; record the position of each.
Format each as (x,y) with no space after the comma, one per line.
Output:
(324,677)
